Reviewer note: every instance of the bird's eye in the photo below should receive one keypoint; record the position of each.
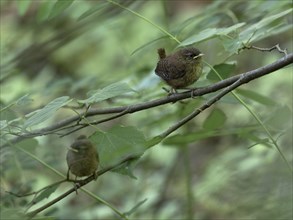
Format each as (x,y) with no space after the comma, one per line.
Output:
(190,55)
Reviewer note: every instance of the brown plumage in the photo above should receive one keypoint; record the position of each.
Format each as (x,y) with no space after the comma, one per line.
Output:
(180,69)
(82,157)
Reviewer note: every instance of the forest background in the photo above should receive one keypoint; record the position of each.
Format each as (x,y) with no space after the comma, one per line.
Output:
(87,67)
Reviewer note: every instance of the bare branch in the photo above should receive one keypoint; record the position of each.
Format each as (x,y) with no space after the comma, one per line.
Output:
(276,47)
(123,110)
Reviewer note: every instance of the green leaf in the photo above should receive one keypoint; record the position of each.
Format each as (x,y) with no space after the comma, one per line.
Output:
(274,31)
(257,97)
(47,112)
(210,33)
(224,69)
(6,113)
(266,21)
(231,45)
(46,193)
(110,91)
(215,120)
(127,168)
(11,213)
(203,35)
(263,141)
(154,141)
(29,145)
(92,10)
(185,138)
(8,116)
(3,124)
(59,7)
(280,118)
(118,143)
(44,10)
(23,6)
(24,100)
(248,135)
(260,29)
(146,45)
(268,26)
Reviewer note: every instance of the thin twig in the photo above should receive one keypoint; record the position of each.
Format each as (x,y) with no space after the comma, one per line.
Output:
(276,47)
(36,192)
(96,122)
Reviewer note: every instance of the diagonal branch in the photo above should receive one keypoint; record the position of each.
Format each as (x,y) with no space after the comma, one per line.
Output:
(245,78)
(80,184)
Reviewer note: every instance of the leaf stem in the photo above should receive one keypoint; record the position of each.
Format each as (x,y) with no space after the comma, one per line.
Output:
(146,19)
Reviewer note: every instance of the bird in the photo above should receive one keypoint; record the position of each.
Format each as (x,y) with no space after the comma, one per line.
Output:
(82,158)
(181,68)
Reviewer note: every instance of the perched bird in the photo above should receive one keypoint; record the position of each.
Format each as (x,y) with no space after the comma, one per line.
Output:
(180,69)
(82,157)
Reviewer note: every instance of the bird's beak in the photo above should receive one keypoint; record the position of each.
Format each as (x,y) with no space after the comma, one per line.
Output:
(199,55)
(74,150)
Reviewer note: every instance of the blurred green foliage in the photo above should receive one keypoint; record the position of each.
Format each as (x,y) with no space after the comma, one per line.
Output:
(57,56)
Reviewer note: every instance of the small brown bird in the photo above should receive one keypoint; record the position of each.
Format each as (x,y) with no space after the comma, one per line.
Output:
(82,157)
(180,69)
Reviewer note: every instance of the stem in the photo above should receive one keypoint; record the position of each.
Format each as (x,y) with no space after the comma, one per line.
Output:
(147,20)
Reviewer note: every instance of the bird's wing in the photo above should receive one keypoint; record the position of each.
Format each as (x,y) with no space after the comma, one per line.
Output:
(169,70)
(178,70)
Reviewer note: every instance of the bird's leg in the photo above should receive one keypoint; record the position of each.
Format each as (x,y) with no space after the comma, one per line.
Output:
(191,93)
(191,90)
(95,175)
(76,185)
(173,91)
(67,175)
(75,182)
(170,92)
(166,90)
